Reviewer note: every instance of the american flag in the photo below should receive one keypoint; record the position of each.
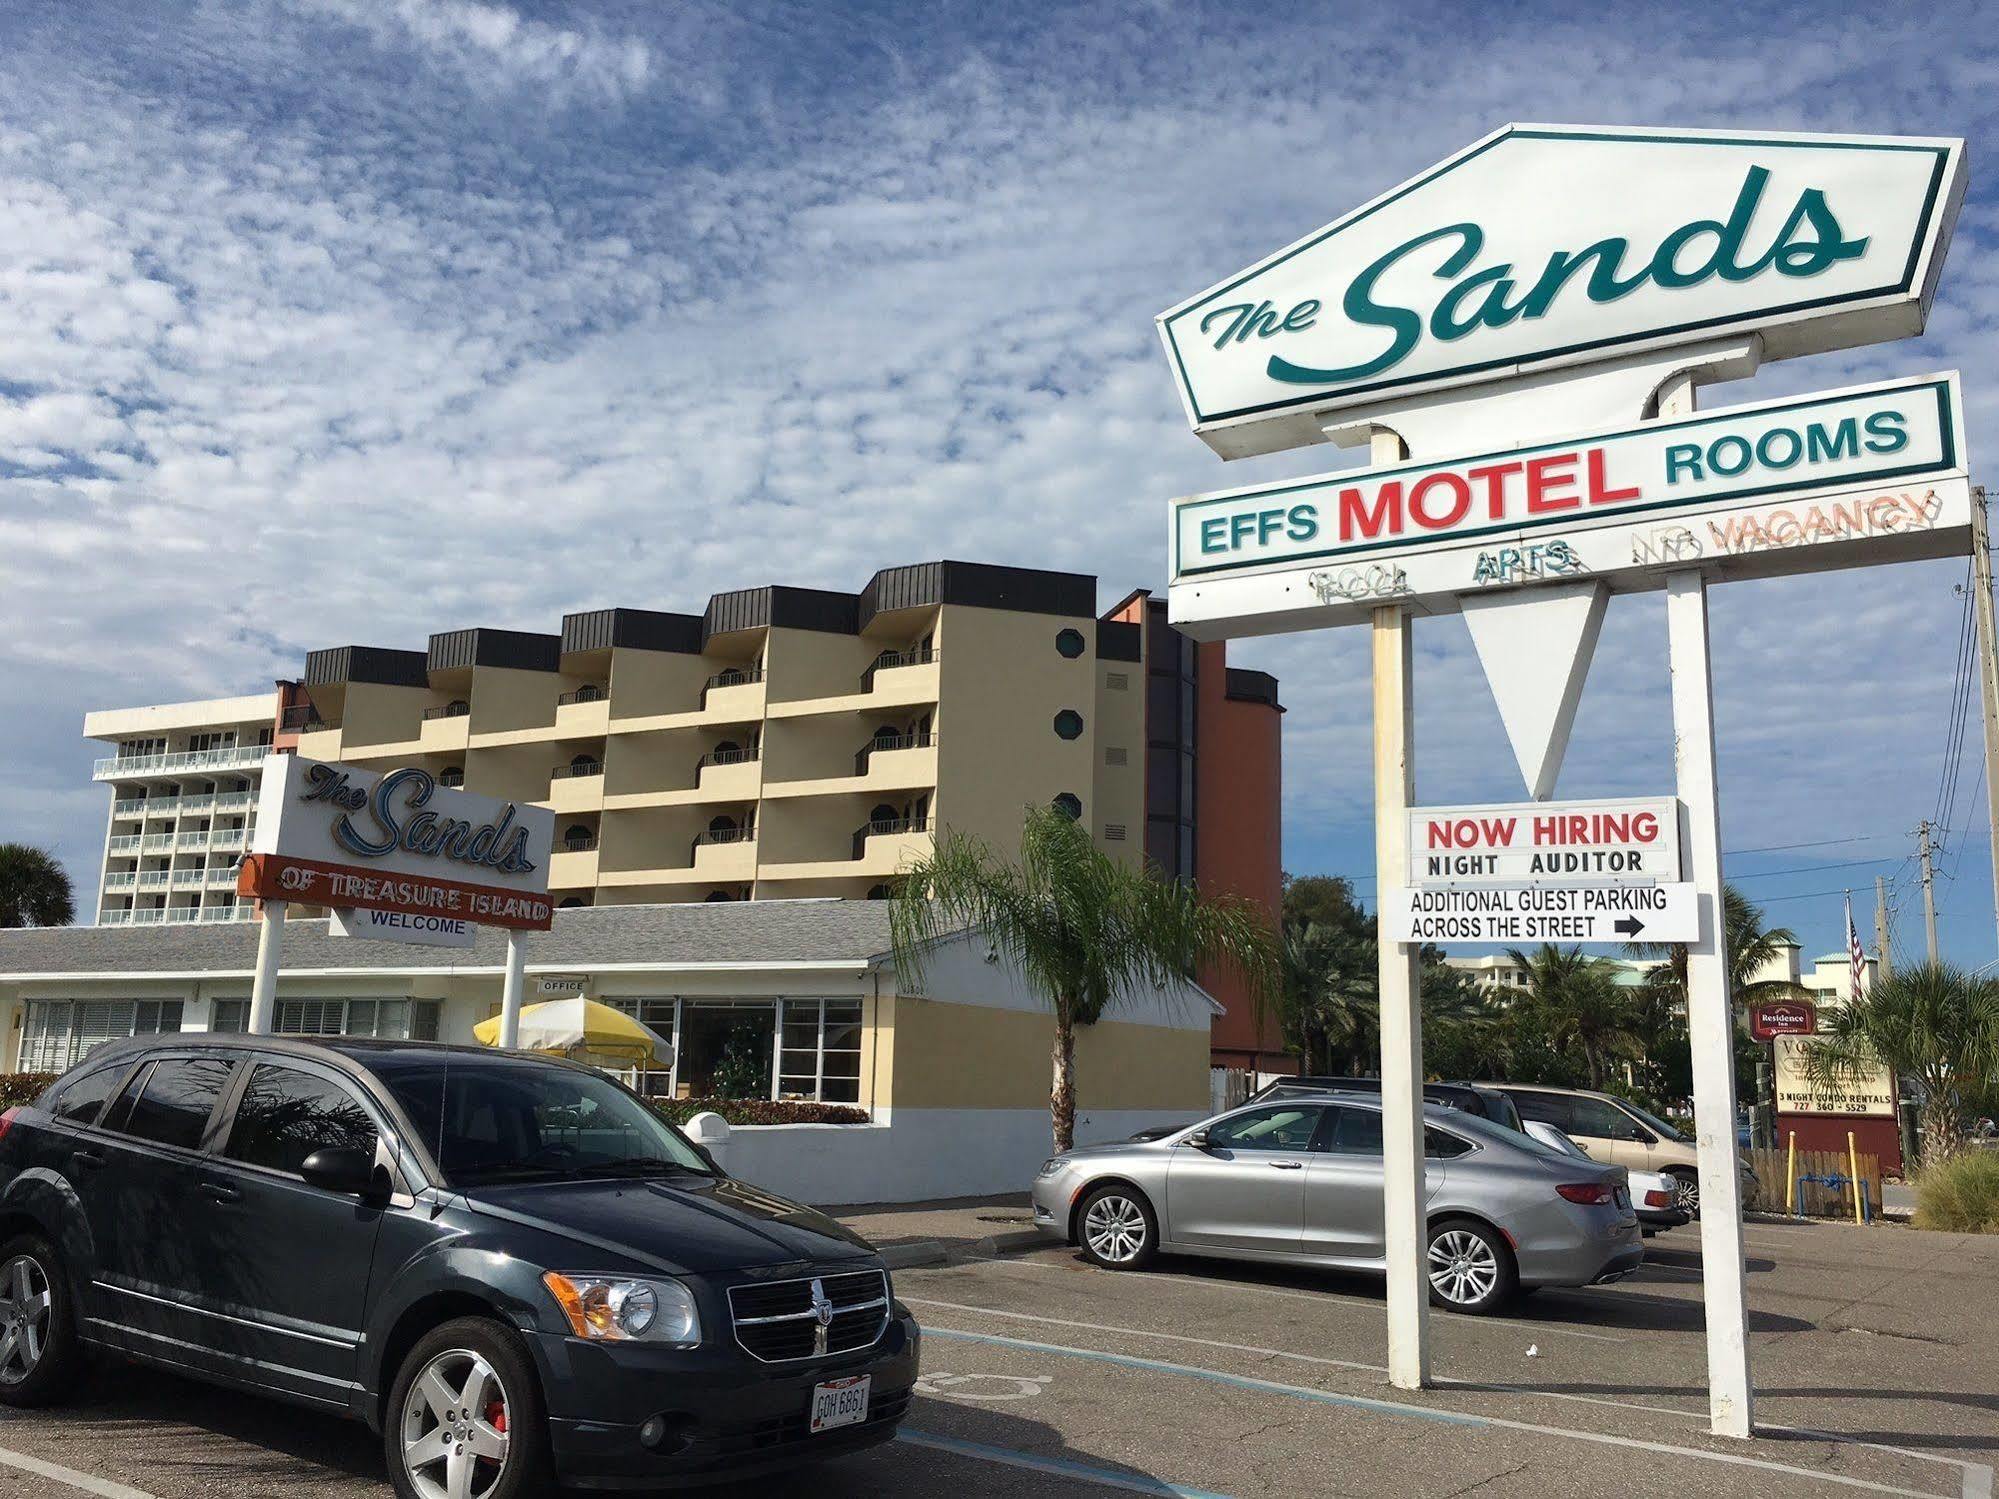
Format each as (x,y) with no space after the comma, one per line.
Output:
(1856,958)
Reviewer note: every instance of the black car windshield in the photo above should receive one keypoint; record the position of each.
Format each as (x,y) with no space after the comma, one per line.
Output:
(493,1120)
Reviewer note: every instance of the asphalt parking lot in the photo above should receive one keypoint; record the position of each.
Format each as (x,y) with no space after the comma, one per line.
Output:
(1874,1355)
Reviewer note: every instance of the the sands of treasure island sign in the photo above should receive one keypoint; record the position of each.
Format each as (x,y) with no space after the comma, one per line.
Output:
(1517,335)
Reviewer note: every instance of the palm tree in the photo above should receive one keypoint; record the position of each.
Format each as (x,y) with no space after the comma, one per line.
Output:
(1751,947)
(34,888)
(1086,932)
(1580,1006)
(1330,1003)
(1935,1025)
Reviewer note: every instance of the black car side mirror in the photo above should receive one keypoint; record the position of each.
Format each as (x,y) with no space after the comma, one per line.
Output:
(340,1168)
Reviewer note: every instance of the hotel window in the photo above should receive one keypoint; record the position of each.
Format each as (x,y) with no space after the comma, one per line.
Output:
(59,1033)
(220,739)
(805,1049)
(132,748)
(379,1019)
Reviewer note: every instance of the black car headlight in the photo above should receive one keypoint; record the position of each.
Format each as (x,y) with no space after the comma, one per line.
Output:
(608,1309)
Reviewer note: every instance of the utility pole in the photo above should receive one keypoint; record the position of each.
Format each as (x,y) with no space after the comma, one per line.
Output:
(1988,671)
(1929,887)
(1886,962)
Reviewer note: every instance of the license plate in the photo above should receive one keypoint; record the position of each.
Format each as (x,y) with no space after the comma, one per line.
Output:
(840,1402)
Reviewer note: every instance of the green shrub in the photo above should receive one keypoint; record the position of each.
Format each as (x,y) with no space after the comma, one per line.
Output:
(759,1111)
(22,1087)
(1961,1194)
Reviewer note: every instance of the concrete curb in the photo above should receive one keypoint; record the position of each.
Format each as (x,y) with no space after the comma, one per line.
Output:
(917,1253)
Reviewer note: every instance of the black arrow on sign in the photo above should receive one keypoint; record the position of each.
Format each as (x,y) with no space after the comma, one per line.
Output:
(1630,926)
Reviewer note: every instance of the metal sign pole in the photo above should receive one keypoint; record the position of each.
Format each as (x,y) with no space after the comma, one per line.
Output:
(1710,1013)
(1400,964)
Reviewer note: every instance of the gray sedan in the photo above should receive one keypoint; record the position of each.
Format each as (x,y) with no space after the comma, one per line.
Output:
(1300,1182)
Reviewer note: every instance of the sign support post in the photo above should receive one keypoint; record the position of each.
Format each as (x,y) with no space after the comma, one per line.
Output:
(1400,988)
(264,986)
(1710,1013)
(510,991)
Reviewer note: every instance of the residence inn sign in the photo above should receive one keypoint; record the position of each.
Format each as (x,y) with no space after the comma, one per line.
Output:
(1543,247)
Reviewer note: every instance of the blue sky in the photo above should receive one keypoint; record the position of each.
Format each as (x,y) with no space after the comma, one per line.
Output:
(343,320)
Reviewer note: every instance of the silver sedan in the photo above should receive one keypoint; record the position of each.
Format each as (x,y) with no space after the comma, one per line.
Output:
(1300,1182)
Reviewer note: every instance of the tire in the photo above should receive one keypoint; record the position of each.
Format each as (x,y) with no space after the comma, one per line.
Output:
(40,1358)
(1116,1228)
(1687,1191)
(471,1380)
(1470,1268)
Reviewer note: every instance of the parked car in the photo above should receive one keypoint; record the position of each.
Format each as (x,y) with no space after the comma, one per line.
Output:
(1299,1181)
(1619,1133)
(1481,1099)
(1654,1197)
(510,1267)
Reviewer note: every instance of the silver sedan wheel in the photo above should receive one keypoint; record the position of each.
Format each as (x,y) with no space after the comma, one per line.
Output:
(1114,1228)
(455,1428)
(24,1317)
(1463,1267)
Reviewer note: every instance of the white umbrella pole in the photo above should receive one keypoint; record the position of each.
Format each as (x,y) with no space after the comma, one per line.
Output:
(510,991)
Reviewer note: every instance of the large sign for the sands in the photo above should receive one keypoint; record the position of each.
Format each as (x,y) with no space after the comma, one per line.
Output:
(1781,486)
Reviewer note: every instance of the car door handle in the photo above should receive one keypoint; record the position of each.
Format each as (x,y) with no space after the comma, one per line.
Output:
(1287,1165)
(222,1191)
(88,1158)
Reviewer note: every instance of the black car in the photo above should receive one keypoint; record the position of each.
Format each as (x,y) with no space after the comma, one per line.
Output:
(509,1266)
(1470,1098)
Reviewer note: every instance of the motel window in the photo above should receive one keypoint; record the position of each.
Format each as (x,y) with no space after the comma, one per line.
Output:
(379,1019)
(58,1033)
(806,1049)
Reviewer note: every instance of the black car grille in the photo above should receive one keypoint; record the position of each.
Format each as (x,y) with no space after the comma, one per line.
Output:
(817,1317)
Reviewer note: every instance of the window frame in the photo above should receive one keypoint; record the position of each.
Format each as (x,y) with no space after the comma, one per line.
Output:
(1303,1106)
(786,1008)
(149,1065)
(387,1136)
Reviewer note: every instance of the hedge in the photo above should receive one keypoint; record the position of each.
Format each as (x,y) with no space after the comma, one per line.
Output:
(23,1087)
(759,1111)
(1960,1194)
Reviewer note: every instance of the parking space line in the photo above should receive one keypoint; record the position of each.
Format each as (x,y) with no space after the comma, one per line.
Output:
(1327,1298)
(1423,1412)
(1054,1467)
(103,1488)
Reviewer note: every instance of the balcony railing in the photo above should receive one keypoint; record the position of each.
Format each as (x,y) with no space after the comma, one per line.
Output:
(241,911)
(235,757)
(127,843)
(575,772)
(190,879)
(197,801)
(878,826)
(155,879)
(578,845)
(894,742)
(921,655)
(589,693)
(131,806)
(303,718)
(747,833)
(155,843)
(120,879)
(191,840)
(220,875)
(447,710)
(226,838)
(725,757)
(234,801)
(734,676)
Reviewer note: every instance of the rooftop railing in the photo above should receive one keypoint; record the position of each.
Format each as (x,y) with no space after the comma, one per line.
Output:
(234,757)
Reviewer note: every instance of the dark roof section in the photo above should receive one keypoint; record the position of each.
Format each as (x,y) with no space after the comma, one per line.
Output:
(1120,606)
(1246,686)
(779,607)
(452,650)
(631,630)
(366,663)
(584,938)
(1119,640)
(981,585)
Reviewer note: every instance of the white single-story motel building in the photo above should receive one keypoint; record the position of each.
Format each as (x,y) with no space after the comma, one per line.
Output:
(797,999)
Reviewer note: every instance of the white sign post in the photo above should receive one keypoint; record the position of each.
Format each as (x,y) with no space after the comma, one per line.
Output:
(1553,280)
(396,857)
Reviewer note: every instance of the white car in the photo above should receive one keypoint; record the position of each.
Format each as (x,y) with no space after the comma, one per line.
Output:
(1653,1195)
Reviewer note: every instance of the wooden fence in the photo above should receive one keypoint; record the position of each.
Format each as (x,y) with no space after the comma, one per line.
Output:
(1814,1200)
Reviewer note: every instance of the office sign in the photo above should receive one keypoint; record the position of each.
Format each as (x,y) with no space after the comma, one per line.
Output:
(1784,1017)
(1871,1093)
(399,926)
(1543,246)
(351,839)
(1870,474)
(561,986)
(1546,843)
(1522,914)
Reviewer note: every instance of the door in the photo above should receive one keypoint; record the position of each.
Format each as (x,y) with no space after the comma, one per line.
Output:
(286,1265)
(1611,1135)
(1344,1216)
(136,1176)
(1245,1189)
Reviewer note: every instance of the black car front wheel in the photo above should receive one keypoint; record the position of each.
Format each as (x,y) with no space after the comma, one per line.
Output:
(39,1355)
(464,1419)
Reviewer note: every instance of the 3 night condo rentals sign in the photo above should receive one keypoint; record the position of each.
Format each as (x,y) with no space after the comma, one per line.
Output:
(429,858)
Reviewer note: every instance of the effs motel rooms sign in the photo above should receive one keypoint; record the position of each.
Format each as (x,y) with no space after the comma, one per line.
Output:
(1546,246)
(1546,843)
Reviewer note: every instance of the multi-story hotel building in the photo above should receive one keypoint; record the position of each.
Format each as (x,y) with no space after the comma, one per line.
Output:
(784,743)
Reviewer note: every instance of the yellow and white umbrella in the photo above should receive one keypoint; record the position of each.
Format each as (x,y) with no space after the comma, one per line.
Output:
(585,1031)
